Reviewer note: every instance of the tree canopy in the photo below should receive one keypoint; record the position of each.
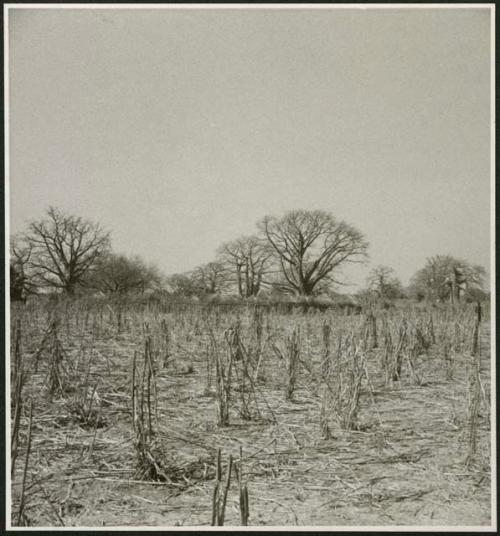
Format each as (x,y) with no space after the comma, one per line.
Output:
(382,280)
(210,278)
(310,245)
(114,273)
(64,247)
(248,260)
(446,278)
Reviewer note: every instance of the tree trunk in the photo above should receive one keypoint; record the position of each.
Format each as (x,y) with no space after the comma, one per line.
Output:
(69,288)
(238,276)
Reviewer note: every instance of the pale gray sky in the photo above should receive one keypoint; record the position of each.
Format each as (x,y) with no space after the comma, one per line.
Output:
(179,129)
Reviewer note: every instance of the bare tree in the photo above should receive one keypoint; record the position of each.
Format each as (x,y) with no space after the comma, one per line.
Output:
(211,278)
(113,273)
(183,285)
(447,278)
(64,248)
(310,245)
(383,282)
(248,259)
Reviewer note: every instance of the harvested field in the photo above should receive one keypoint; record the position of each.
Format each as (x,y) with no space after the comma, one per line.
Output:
(331,419)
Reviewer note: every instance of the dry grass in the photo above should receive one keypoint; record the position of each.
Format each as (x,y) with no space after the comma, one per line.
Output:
(336,429)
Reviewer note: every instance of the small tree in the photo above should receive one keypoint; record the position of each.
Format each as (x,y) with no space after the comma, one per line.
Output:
(248,260)
(383,282)
(310,245)
(64,248)
(183,285)
(211,278)
(114,273)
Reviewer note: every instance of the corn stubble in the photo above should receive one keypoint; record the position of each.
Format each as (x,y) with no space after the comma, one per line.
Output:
(343,373)
(247,358)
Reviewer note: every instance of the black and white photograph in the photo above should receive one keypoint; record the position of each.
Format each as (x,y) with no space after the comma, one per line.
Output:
(250,267)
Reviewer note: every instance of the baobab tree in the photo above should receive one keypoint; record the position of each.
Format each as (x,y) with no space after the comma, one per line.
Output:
(383,282)
(248,260)
(64,248)
(445,278)
(310,245)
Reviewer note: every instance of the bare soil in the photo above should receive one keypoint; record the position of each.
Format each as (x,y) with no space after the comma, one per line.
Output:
(404,463)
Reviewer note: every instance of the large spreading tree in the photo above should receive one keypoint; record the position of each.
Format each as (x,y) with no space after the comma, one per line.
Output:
(310,246)
(64,248)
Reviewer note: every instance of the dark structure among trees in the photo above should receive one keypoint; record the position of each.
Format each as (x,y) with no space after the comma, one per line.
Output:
(447,278)
(21,282)
(17,284)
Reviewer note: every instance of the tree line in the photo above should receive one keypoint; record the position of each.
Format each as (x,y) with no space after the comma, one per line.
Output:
(300,253)
(68,254)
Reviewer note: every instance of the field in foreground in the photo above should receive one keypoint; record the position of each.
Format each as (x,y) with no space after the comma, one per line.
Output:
(331,419)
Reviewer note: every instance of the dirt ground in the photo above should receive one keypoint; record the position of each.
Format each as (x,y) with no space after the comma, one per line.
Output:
(404,463)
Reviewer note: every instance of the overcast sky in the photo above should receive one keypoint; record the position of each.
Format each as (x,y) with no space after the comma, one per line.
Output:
(179,129)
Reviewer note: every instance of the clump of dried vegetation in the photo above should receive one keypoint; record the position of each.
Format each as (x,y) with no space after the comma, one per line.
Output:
(152,393)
